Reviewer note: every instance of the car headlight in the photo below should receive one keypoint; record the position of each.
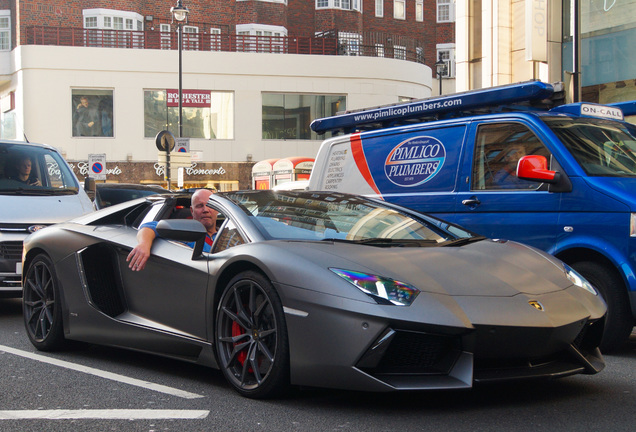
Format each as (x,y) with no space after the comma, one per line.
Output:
(578,280)
(382,290)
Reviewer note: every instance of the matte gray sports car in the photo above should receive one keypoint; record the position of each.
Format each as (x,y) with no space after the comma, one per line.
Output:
(317,289)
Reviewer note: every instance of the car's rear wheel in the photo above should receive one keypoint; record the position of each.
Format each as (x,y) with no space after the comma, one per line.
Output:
(619,321)
(251,337)
(42,306)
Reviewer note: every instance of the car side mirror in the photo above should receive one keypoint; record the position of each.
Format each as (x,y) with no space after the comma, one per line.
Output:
(184,230)
(535,168)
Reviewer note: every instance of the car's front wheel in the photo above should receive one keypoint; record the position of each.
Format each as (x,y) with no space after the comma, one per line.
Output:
(251,337)
(42,306)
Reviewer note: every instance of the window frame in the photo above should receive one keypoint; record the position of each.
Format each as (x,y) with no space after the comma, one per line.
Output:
(395,9)
(446,6)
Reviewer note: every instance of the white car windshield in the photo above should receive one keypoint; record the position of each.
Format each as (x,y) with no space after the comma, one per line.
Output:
(34,170)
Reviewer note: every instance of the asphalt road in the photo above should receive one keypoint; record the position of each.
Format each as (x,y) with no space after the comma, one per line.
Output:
(125,391)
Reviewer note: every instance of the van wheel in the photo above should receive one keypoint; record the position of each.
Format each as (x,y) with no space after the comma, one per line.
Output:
(619,321)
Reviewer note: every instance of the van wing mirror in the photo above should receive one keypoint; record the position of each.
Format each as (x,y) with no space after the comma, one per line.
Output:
(535,168)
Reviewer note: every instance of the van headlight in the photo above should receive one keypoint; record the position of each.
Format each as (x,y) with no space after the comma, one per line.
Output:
(578,280)
(382,290)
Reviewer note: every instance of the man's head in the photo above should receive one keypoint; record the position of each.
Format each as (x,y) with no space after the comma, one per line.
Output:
(84,101)
(203,213)
(24,167)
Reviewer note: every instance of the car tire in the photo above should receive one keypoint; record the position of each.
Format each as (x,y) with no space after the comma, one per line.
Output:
(251,337)
(619,321)
(42,305)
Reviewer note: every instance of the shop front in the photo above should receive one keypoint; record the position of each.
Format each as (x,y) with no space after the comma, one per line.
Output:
(224,176)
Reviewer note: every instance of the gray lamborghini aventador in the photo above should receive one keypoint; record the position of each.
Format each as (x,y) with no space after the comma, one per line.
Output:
(316,289)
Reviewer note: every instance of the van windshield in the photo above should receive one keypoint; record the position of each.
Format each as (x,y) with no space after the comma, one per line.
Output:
(32,170)
(602,147)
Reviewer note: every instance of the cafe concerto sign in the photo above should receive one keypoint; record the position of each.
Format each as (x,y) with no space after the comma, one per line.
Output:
(192,170)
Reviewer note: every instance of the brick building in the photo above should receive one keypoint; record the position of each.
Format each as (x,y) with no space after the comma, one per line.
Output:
(255,73)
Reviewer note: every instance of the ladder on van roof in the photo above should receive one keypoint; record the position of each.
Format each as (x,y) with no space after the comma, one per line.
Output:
(529,95)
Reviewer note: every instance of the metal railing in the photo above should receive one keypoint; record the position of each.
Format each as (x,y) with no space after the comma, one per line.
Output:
(328,43)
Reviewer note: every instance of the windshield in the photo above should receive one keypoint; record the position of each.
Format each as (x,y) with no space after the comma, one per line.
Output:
(601,147)
(339,217)
(32,170)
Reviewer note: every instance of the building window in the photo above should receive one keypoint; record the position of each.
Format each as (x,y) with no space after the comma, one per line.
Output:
(92,113)
(446,52)
(5,31)
(288,116)
(261,38)
(349,44)
(399,9)
(165,36)
(190,38)
(399,52)
(354,5)
(215,39)
(113,28)
(445,11)
(419,10)
(379,8)
(206,114)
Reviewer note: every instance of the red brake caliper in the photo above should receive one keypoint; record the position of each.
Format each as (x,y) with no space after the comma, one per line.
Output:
(237,330)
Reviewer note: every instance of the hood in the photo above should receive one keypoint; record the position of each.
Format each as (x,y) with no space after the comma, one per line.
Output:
(29,209)
(621,189)
(485,268)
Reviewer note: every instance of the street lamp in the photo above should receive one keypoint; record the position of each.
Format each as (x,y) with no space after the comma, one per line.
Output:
(440,66)
(180,14)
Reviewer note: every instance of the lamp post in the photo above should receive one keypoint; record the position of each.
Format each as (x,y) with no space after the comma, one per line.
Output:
(180,15)
(440,66)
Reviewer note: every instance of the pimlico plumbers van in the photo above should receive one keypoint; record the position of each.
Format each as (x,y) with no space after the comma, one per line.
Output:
(37,188)
(510,162)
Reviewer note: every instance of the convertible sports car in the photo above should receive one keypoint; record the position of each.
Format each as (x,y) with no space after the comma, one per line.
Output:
(313,288)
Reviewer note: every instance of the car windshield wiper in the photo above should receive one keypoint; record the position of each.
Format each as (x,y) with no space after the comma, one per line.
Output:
(37,191)
(461,241)
(386,242)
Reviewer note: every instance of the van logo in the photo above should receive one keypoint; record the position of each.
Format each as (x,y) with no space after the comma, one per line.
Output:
(415,161)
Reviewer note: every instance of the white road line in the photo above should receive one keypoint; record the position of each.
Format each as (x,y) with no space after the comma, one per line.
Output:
(125,414)
(100,373)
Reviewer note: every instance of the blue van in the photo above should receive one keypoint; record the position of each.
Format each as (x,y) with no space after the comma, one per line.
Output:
(510,162)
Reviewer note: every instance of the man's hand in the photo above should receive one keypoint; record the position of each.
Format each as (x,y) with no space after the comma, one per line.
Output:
(138,257)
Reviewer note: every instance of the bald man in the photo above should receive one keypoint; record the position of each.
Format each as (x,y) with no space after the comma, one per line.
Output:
(138,257)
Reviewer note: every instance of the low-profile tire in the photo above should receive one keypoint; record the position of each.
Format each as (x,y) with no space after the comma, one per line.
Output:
(42,305)
(251,337)
(619,321)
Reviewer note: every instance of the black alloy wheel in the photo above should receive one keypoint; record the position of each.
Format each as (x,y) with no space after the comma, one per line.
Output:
(251,337)
(41,305)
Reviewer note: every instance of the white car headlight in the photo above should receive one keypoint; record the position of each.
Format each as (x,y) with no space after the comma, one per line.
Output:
(578,280)
(382,290)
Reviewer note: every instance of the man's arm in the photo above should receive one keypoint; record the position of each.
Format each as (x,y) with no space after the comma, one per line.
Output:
(140,254)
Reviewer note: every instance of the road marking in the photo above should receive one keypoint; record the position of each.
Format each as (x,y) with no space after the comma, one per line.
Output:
(100,373)
(125,414)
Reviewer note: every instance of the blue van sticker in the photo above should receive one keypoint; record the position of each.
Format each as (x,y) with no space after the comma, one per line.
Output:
(415,161)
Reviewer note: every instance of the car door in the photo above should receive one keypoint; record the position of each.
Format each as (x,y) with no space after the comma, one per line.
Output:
(492,201)
(170,294)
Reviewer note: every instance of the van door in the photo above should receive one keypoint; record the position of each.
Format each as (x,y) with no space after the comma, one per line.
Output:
(416,168)
(492,201)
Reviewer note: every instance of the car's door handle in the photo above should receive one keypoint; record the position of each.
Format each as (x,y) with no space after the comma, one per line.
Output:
(471,202)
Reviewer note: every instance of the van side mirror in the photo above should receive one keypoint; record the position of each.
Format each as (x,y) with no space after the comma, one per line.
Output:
(535,168)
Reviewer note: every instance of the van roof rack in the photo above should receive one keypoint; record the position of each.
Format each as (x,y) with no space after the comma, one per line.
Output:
(535,95)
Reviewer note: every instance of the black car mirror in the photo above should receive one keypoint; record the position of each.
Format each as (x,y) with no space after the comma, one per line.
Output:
(185,230)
